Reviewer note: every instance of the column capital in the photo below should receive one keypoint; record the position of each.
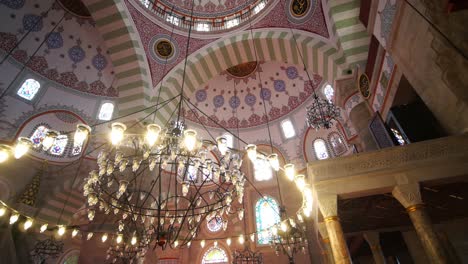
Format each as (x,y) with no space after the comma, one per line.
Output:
(408,194)
(328,204)
(372,238)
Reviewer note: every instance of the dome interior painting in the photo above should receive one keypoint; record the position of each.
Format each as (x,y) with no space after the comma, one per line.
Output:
(233,131)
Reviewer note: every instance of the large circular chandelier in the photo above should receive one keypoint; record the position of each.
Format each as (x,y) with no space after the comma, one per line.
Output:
(164,183)
(322,113)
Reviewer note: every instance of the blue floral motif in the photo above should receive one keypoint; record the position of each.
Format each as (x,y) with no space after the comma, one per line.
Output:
(13,4)
(200,95)
(55,40)
(250,99)
(280,86)
(234,102)
(291,72)
(218,101)
(32,22)
(265,94)
(76,54)
(99,62)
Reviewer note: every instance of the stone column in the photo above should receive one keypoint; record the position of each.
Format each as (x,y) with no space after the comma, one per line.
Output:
(373,240)
(409,196)
(327,251)
(329,209)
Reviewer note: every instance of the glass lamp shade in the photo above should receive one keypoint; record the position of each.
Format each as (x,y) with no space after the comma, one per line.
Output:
(190,139)
(274,162)
(290,171)
(117,133)
(300,181)
(22,147)
(222,144)
(49,139)
(61,230)
(13,218)
(4,153)
(251,152)
(152,134)
(74,232)
(81,133)
(28,224)
(119,239)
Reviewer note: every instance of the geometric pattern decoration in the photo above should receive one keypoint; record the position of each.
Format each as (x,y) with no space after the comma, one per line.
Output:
(386,11)
(29,195)
(383,83)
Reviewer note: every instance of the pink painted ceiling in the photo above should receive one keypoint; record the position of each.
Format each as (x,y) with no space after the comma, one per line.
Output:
(73,55)
(233,101)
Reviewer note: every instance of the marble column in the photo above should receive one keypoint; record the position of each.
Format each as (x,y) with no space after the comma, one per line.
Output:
(409,196)
(327,251)
(329,209)
(373,240)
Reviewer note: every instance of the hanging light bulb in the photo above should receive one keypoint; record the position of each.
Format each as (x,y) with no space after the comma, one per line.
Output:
(43,228)
(290,171)
(252,237)
(300,181)
(22,146)
(228,241)
(240,214)
(251,152)
(241,240)
(274,162)
(89,236)
(2,211)
(4,153)
(123,186)
(91,214)
(119,238)
(185,188)
(202,243)
(81,134)
(13,218)
(176,243)
(284,226)
(61,230)
(104,238)
(189,244)
(152,134)
(74,232)
(117,133)
(274,230)
(222,144)
(28,224)
(308,198)
(190,139)
(134,240)
(49,139)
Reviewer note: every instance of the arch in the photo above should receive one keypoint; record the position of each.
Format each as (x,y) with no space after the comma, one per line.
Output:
(266,215)
(69,254)
(275,44)
(28,89)
(337,144)
(321,149)
(132,73)
(215,255)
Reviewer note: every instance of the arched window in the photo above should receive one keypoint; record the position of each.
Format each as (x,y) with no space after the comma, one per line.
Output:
(288,129)
(73,259)
(266,215)
(39,134)
(320,149)
(337,143)
(215,224)
(105,113)
(215,255)
(262,170)
(59,146)
(29,89)
(329,92)
(77,148)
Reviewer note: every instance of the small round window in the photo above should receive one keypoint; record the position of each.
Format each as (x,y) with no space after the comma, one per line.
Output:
(215,224)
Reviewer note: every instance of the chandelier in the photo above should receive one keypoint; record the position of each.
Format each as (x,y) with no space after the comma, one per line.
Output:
(322,113)
(247,256)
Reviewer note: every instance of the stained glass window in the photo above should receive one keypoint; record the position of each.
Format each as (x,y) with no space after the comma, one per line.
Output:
(215,255)
(320,149)
(337,143)
(262,170)
(288,129)
(266,215)
(215,224)
(29,89)
(329,92)
(77,148)
(105,113)
(39,134)
(59,146)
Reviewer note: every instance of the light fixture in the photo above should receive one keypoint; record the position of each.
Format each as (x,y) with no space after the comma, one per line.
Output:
(4,152)
(222,144)
(202,243)
(228,241)
(81,133)
(290,171)
(89,236)
(49,139)
(61,230)
(117,133)
(274,162)
(241,240)
(300,181)
(134,240)
(43,228)
(190,139)
(13,218)
(28,224)
(119,238)
(2,211)
(321,113)
(152,134)
(22,146)
(104,237)
(251,152)
(74,232)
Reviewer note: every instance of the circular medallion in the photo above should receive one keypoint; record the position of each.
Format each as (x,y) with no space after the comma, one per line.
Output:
(243,70)
(299,11)
(162,49)
(364,85)
(299,7)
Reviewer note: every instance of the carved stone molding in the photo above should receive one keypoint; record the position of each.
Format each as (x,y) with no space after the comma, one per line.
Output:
(328,204)
(408,194)
(391,159)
